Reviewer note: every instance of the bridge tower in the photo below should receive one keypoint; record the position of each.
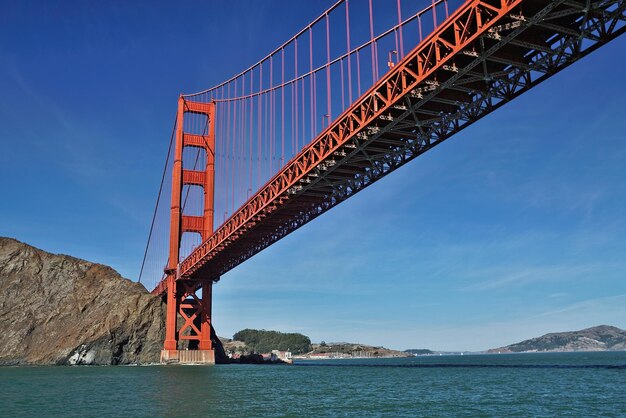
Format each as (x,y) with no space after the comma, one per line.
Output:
(183,299)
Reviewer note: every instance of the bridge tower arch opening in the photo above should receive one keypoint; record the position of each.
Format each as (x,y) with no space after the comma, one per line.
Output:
(189,301)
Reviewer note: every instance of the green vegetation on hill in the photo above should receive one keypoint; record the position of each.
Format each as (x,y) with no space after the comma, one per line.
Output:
(262,341)
(419,351)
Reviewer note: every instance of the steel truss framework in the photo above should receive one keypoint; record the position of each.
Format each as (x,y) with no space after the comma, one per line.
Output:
(486,54)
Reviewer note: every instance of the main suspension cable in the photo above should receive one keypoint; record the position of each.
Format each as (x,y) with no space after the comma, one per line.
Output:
(156,206)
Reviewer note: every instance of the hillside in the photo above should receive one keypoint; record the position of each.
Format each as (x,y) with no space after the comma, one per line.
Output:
(419,351)
(57,309)
(254,341)
(599,338)
(348,350)
(262,341)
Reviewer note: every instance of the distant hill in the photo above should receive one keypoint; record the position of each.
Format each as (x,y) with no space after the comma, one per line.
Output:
(250,341)
(419,351)
(262,341)
(347,350)
(600,338)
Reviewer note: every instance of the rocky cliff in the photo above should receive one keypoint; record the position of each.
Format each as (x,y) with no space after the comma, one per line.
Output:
(600,338)
(57,309)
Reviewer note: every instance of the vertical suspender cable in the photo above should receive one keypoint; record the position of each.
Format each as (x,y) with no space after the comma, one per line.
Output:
(401,49)
(343,101)
(228,153)
(238,151)
(293,120)
(224,151)
(311,100)
(259,128)
(270,138)
(358,71)
(314,105)
(328,108)
(156,206)
(348,51)
(251,123)
(266,138)
(419,25)
(234,149)
(297,114)
(282,111)
(303,117)
(243,175)
(373,46)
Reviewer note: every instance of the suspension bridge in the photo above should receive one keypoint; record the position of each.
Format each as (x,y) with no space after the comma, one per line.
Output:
(364,88)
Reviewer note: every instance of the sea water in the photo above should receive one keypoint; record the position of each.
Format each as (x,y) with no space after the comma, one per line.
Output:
(554,384)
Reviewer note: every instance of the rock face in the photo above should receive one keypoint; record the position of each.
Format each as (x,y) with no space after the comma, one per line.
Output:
(57,309)
(600,338)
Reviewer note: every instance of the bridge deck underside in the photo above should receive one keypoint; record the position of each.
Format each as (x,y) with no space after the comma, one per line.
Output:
(483,56)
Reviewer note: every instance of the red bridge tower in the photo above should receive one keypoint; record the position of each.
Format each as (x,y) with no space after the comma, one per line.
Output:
(182,296)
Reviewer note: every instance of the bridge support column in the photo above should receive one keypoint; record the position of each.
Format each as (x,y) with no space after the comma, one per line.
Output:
(171,340)
(205,325)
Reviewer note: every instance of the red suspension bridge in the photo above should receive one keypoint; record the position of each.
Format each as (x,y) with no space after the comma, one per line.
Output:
(363,89)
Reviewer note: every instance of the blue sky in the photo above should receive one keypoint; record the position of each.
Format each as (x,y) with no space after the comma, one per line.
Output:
(513,228)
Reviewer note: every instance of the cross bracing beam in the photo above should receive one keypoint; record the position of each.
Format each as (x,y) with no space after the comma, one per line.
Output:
(412,109)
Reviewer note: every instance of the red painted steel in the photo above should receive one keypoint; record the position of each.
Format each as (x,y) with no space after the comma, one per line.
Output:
(182,298)
(471,20)
(484,55)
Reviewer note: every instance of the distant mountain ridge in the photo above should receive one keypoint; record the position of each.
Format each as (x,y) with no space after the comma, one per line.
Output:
(598,338)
